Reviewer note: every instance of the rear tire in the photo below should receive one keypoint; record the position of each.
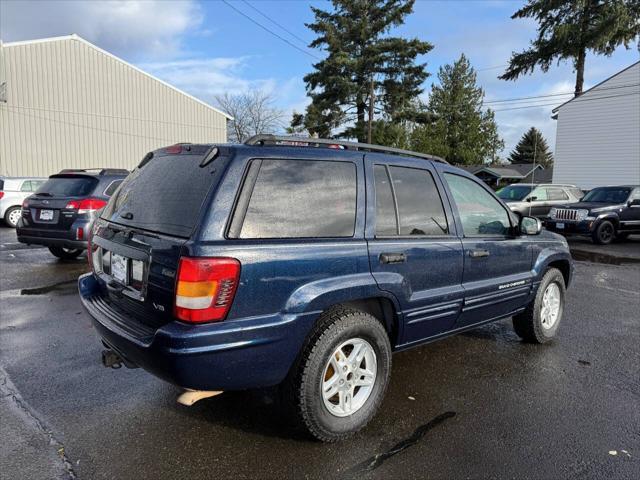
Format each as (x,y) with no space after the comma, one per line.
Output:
(604,233)
(12,215)
(333,395)
(66,253)
(540,321)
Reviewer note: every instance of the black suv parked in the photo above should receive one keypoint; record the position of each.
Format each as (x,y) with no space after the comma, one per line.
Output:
(60,213)
(605,213)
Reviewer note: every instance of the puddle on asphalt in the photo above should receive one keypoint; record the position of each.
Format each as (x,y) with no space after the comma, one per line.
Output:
(58,286)
(377,460)
(595,257)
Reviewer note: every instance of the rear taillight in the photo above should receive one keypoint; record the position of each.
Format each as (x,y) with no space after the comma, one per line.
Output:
(86,205)
(205,288)
(1,194)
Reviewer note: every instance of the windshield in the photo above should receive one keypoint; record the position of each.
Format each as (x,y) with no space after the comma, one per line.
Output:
(514,192)
(67,186)
(608,195)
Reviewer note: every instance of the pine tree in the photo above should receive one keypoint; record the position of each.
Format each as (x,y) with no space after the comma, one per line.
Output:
(532,143)
(362,60)
(458,129)
(569,29)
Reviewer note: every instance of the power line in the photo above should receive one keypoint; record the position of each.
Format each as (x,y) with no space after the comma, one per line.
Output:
(270,31)
(102,115)
(276,23)
(516,99)
(578,100)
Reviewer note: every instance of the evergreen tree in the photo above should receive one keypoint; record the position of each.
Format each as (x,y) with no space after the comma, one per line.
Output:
(569,29)
(362,59)
(457,128)
(532,142)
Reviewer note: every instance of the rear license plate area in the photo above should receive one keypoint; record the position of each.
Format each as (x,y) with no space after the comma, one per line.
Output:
(45,215)
(120,268)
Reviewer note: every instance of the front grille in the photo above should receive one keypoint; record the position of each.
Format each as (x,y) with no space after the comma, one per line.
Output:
(566,214)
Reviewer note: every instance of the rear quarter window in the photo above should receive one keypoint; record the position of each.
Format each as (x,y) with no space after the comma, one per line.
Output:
(298,199)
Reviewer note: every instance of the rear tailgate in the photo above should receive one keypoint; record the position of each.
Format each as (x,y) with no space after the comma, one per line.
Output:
(47,208)
(144,230)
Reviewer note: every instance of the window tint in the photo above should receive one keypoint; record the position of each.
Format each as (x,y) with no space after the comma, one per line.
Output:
(420,208)
(480,213)
(302,199)
(113,186)
(514,192)
(608,195)
(68,186)
(26,186)
(386,224)
(556,194)
(164,195)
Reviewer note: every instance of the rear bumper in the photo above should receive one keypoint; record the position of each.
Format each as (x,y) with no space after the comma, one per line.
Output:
(50,237)
(229,355)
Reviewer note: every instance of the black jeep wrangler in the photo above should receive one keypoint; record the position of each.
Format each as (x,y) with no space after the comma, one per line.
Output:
(605,213)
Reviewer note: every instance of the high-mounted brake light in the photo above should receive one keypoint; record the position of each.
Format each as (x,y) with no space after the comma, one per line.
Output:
(86,205)
(205,288)
(174,149)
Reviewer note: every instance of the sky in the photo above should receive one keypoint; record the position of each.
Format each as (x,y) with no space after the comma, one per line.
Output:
(209,47)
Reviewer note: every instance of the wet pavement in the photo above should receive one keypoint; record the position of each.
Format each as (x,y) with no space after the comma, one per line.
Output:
(477,405)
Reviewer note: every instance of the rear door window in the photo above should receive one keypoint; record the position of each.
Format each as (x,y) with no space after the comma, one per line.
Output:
(165,195)
(419,207)
(557,194)
(298,199)
(68,186)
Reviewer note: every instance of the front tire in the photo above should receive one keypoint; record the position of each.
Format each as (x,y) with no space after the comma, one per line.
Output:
(540,321)
(12,215)
(604,233)
(66,253)
(341,376)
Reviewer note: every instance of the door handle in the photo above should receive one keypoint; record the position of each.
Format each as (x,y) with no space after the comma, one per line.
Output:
(478,253)
(393,258)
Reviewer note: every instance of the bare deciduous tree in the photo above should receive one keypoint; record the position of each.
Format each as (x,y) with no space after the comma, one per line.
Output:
(253,112)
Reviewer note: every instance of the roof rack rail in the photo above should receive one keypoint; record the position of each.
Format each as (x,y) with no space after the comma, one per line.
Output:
(99,171)
(268,139)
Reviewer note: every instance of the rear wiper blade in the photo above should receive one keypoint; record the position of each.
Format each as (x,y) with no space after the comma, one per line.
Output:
(44,194)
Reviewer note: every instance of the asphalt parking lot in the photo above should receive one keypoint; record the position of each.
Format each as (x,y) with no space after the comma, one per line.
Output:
(477,405)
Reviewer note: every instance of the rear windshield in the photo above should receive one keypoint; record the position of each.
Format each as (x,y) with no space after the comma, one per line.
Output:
(164,195)
(1,184)
(67,186)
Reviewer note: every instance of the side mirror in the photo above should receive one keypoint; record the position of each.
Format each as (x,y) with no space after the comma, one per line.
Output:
(530,226)
(532,199)
(634,203)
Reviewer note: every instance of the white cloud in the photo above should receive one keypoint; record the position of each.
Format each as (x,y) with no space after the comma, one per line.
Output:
(205,78)
(133,29)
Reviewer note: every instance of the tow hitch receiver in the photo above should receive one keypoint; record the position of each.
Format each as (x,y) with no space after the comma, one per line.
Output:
(189,397)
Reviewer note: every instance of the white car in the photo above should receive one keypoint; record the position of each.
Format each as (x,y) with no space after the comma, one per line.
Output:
(13,191)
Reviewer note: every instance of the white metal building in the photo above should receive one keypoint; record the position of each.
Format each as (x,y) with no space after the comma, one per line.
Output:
(65,103)
(598,134)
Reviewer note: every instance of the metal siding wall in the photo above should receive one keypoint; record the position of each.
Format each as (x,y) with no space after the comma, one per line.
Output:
(598,141)
(72,106)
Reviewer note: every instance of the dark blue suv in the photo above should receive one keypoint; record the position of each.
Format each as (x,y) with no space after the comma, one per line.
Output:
(305,263)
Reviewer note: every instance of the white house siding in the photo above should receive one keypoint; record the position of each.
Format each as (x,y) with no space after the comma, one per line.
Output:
(71,105)
(598,134)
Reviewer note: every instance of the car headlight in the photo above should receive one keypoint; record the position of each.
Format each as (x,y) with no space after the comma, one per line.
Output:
(582,215)
(553,212)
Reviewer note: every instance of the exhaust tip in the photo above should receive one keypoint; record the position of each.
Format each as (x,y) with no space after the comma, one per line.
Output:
(111,359)
(189,397)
